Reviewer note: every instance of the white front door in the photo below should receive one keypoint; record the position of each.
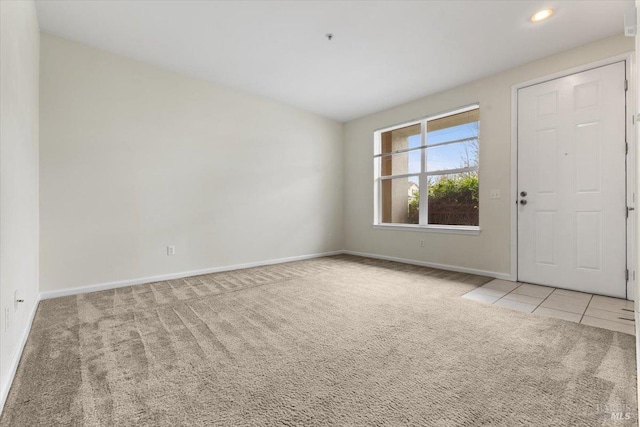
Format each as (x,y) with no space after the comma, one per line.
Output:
(571,182)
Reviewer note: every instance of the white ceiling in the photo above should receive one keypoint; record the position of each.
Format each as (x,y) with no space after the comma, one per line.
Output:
(384,53)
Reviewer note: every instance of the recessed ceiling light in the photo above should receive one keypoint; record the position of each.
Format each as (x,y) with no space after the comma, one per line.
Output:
(542,15)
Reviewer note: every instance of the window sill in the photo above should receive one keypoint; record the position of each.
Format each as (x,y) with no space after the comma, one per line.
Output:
(450,229)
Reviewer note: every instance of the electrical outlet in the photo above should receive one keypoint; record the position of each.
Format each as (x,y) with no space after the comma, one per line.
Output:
(495,194)
(171,250)
(421,243)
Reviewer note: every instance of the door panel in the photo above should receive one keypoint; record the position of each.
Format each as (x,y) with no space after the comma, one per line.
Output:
(571,166)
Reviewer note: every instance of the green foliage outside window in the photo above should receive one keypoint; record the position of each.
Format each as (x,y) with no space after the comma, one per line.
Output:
(453,200)
(459,189)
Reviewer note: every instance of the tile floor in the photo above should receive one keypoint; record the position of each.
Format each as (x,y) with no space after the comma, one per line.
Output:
(593,310)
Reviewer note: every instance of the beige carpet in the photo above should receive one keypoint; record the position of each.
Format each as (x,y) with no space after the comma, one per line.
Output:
(332,341)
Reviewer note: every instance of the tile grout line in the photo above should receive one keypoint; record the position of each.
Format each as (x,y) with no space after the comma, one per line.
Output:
(585,309)
(608,311)
(536,307)
(543,300)
(613,311)
(506,293)
(522,283)
(499,298)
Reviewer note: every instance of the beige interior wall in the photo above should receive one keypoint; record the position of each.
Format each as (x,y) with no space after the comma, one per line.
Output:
(489,251)
(135,158)
(19,50)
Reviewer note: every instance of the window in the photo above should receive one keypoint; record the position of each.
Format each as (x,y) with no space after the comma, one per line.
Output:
(427,172)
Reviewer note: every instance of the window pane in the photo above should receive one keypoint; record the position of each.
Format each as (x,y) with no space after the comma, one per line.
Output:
(453,199)
(453,156)
(454,127)
(403,163)
(400,200)
(400,139)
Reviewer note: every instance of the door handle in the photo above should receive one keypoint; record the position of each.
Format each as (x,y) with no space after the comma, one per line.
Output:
(523,193)
(523,202)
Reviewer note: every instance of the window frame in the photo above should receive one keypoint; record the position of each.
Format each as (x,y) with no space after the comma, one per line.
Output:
(423,175)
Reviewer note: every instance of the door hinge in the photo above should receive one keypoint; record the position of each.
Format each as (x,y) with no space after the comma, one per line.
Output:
(626,148)
(626,274)
(626,85)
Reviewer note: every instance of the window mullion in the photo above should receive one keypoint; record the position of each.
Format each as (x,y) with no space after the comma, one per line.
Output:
(404,175)
(423,180)
(452,171)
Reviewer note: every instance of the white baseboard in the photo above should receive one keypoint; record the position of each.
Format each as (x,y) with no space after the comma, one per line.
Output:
(503,276)
(15,360)
(172,276)
(181,275)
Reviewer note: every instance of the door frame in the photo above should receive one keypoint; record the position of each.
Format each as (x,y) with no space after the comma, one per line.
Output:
(631,159)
